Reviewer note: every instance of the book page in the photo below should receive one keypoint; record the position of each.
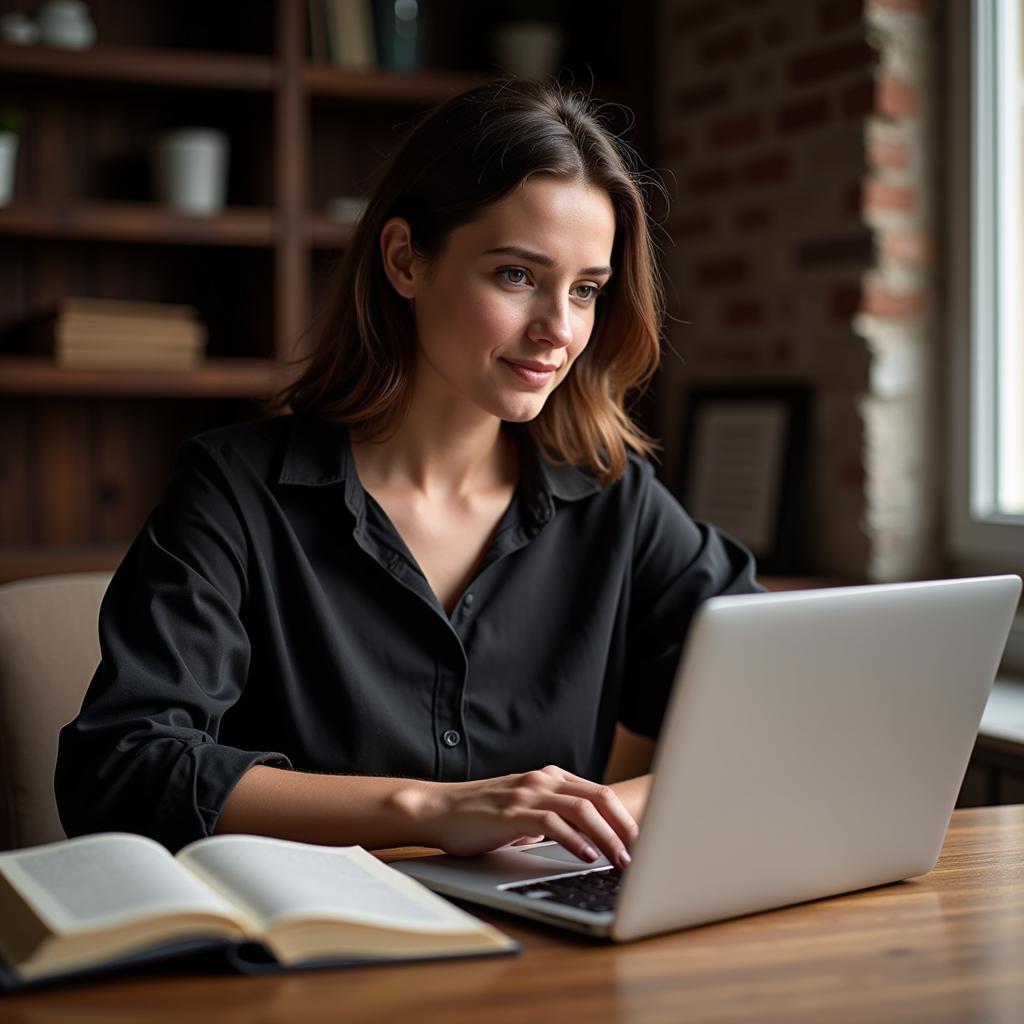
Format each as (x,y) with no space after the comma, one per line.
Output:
(273,880)
(105,880)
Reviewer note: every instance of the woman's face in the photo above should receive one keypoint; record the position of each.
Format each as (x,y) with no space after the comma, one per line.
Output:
(509,305)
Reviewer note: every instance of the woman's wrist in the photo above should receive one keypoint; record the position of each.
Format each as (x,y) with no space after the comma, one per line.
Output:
(418,804)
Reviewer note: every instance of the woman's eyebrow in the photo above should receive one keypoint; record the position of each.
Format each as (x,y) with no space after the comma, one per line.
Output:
(538,257)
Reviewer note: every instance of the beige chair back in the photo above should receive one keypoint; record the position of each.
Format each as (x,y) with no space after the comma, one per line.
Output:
(49,650)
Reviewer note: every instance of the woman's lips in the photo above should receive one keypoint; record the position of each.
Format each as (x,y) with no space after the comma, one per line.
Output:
(535,374)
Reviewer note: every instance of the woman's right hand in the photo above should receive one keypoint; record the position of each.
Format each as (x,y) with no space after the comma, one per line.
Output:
(466,818)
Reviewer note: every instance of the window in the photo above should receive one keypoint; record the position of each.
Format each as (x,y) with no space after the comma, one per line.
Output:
(986,179)
(987,174)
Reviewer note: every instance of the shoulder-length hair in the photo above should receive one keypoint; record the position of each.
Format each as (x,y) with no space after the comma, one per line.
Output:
(469,152)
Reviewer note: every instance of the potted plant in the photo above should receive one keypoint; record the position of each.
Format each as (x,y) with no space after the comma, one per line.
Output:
(10,126)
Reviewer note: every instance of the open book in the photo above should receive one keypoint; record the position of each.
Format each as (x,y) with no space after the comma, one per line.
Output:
(99,900)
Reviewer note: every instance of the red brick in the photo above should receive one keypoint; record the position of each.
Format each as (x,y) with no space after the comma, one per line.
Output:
(767,170)
(735,130)
(907,247)
(775,32)
(895,97)
(835,15)
(886,153)
(727,46)
(743,313)
(698,16)
(881,302)
(831,62)
(836,249)
(702,97)
(879,195)
(803,114)
(753,218)
(723,270)
(709,180)
(844,301)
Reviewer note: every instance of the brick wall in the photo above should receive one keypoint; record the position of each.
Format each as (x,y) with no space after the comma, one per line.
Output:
(796,140)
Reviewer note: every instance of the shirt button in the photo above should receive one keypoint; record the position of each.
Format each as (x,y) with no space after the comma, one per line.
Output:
(469,599)
(451,738)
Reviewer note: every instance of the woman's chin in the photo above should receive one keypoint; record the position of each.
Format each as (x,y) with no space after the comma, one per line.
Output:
(522,410)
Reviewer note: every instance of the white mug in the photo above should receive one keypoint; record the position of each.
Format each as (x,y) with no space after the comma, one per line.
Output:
(191,170)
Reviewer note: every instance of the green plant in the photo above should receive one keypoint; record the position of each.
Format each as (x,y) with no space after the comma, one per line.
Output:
(10,121)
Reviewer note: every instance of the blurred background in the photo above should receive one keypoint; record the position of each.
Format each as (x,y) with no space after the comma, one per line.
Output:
(178,178)
(838,222)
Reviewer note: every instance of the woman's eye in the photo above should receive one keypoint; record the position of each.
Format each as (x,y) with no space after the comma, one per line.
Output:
(587,292)
(513,275)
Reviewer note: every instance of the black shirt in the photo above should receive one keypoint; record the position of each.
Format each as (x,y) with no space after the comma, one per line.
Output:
(269,612)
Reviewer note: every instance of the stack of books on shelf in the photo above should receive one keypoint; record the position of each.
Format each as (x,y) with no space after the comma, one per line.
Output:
(107,334)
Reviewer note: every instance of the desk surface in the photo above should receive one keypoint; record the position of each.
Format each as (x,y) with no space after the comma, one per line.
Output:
(946,947)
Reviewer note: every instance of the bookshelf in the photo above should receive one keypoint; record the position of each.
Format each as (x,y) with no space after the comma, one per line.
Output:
(84,455)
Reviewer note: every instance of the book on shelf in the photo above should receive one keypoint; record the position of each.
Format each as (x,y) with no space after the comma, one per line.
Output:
(351,39)
(110,900)
(103,358)
(74,305)
(101,334)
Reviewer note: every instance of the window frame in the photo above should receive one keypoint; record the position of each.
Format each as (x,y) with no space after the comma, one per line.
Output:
(978,541)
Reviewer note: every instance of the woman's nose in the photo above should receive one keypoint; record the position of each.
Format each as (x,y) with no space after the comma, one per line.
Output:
(551,325)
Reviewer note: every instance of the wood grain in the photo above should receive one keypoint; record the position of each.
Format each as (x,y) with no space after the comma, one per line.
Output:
(948,947)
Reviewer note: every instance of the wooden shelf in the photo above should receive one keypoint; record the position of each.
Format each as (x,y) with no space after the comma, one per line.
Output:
(194,69)
(324,232)
(217,378)
(21,561)
(138,222)
(423,89)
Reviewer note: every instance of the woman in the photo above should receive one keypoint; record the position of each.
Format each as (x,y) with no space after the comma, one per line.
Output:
(414,610)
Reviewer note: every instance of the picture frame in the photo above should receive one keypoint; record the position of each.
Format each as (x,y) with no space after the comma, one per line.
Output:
(745,468)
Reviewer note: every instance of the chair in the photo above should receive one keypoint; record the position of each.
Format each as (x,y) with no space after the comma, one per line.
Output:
(49,649)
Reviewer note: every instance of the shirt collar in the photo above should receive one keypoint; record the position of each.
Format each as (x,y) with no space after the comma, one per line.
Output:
(319,454)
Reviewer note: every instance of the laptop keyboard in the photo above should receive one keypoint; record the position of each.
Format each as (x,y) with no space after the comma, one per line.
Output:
(595,891)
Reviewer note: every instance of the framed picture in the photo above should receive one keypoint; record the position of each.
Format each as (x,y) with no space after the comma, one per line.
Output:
(744,469)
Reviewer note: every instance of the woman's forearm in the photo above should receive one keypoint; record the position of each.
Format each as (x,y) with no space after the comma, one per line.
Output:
(461,817)
(330,810)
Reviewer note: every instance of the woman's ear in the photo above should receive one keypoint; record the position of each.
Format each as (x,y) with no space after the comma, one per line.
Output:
(398,256)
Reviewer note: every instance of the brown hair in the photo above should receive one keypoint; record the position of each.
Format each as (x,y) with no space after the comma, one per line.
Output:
(469,152)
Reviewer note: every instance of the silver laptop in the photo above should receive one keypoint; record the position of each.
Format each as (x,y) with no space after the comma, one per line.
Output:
(814,744)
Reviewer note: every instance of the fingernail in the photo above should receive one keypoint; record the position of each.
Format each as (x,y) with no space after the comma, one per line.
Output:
(623,858)
(589,853)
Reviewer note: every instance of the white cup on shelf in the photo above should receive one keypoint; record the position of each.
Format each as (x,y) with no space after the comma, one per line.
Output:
(67,24)
(8,164)
(190,168)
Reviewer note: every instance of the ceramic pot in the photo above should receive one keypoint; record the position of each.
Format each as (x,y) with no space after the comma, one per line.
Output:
(66,23)
(8,163)
(191,170)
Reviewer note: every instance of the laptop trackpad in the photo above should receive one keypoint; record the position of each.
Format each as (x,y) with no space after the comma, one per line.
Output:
(552,851)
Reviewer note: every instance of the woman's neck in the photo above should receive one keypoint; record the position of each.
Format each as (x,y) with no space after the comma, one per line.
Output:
(441,450)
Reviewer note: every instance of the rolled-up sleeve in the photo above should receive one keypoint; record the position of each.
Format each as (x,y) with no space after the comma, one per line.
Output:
(143,753)
(678,562)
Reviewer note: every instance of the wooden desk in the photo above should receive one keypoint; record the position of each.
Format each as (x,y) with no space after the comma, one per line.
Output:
(944,948)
